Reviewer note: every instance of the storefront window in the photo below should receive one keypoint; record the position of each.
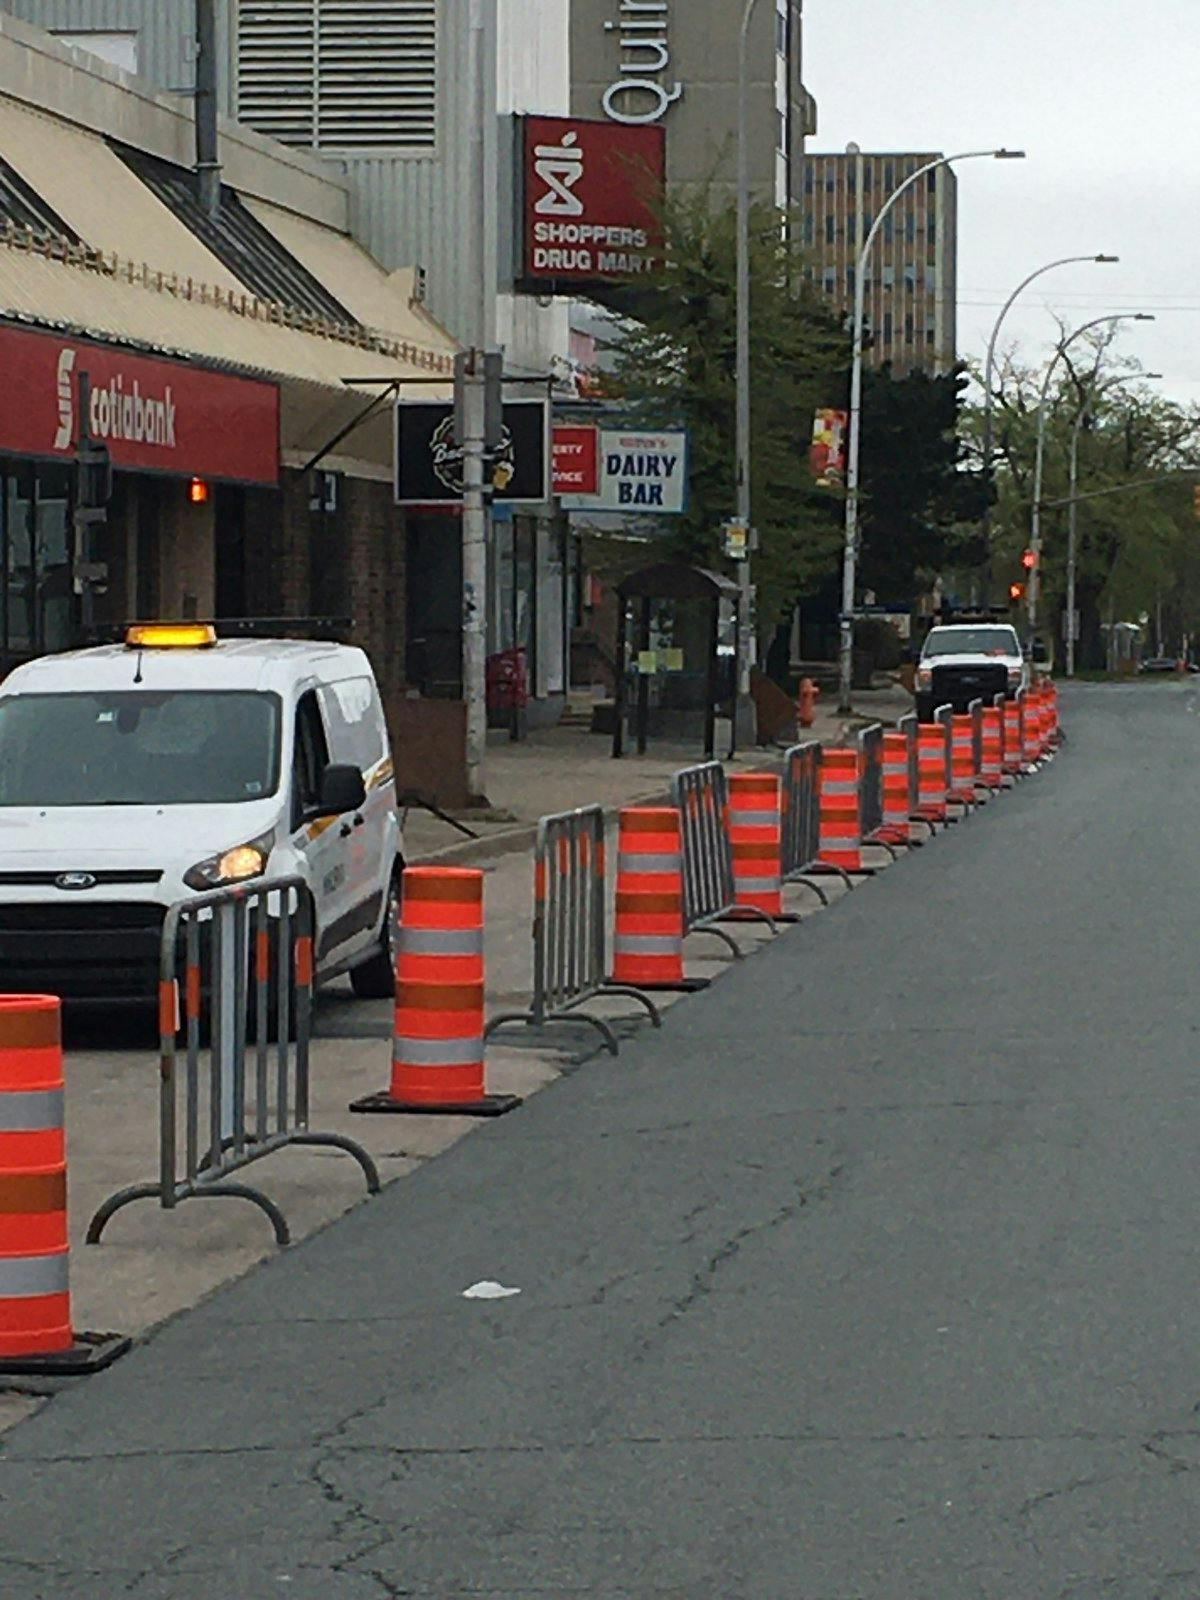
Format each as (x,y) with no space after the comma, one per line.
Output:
(53,567)
(19,504)
(36,602)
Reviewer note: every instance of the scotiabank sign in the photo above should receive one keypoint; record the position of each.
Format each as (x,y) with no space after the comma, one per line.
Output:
(592,202)
(158,416)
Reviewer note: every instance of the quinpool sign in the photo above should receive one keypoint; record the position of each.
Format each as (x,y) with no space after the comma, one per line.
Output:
(642,472)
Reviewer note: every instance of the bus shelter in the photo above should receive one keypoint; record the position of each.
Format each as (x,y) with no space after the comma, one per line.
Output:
(676,655)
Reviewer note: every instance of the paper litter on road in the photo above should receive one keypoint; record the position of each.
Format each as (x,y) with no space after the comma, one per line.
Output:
(488,1289)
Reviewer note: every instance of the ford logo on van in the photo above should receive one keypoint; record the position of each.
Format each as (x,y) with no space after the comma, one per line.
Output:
(75,880)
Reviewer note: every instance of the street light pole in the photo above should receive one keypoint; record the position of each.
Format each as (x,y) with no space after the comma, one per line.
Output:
(743,353)
(989,365)
(1035,518)
(1086,409)
(850,551)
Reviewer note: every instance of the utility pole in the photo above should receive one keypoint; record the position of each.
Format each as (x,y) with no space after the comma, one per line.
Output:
(472,406)
(746,635)
(208,160)
(93,490)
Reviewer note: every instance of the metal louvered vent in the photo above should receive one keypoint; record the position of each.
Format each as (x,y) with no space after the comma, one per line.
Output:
(339,74)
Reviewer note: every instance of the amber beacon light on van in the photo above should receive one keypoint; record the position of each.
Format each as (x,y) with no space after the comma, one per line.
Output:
(170,636)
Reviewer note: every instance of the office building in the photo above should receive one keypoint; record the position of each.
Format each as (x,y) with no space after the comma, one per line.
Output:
(675,62)
(911,278)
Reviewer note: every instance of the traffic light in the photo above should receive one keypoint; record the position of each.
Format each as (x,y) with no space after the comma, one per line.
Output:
(1029,560)
(1196,501)
(1016,591)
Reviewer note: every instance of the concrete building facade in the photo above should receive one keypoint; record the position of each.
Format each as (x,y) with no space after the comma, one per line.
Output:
(675,62)
(911,287)
(383,99)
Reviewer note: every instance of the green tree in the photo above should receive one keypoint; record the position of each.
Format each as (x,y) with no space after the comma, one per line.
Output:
(674,364)
(1136,548)
(920,507)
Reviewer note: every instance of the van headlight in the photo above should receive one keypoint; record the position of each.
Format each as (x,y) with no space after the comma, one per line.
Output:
(1014,677)
(924,677)
(235,865)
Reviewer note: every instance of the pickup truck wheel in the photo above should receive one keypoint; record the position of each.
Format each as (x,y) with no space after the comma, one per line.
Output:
(375,979)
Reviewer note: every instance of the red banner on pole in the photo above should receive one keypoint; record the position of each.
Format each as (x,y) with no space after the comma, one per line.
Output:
(827,455)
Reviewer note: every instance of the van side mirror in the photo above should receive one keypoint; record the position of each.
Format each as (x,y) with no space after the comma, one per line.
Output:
(342,789)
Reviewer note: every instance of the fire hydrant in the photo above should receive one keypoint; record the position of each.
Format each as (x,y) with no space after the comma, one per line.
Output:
(809,694)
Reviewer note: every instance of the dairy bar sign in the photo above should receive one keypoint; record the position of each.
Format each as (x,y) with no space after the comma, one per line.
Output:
(639,473)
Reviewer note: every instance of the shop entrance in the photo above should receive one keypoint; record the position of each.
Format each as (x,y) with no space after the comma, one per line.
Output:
(36,603)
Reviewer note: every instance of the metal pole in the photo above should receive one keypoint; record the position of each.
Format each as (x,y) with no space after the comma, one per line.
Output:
(1071,535)
(475,509)
(208,162)
(989,365)
(1086,409)
(1035,516)
(742,686)
(850,550)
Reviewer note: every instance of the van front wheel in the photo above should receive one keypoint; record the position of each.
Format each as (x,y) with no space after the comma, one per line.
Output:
(375,979)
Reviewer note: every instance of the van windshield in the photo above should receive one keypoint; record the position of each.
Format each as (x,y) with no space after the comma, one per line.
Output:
(129,748)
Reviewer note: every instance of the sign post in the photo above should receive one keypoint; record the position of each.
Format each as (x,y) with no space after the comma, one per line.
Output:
(93,490)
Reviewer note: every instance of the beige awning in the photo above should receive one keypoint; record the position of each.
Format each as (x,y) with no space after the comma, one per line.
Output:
(142,277)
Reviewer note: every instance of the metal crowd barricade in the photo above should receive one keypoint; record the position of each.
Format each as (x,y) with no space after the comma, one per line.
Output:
(999,702)
(244,1009)
(802,816)
(570,950)
(909,725)
(870,778)
(701,795)
(976,710)
(870,786)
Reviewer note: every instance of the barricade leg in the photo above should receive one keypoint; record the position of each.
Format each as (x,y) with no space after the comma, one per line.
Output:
(438,1045)
(648,936)
(37,1336)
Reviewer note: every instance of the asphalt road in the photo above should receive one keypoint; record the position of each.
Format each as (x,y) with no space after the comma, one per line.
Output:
(873,1275)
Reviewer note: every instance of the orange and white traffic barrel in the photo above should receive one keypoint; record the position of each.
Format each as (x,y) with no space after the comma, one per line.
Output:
(438,1037)
(36,1331)
(840,835)
(648,931)
(898,804)
(756,841)
(991,773)
(1012,757)
(962,759)
(931,772)
(1031,742)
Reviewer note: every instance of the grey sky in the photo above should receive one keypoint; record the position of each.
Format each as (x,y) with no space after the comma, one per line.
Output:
(1104,97)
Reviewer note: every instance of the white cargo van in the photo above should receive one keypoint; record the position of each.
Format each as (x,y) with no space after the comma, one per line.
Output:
(134,775)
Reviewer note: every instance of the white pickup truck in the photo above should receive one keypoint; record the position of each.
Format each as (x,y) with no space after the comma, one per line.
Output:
(961,662)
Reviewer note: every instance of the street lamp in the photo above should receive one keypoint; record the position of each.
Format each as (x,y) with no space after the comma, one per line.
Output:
(1086,409)
(990,362)
(743,356)
(1035,519)
(850,553)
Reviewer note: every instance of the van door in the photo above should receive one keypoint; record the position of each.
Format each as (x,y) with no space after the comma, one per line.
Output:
(319,840)
(358,734)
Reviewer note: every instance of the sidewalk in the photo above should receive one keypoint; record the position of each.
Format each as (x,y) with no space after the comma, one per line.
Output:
(555,769)
(153,1264)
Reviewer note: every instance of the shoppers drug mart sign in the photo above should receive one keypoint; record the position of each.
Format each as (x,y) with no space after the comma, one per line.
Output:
(592,197)
(642,473)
